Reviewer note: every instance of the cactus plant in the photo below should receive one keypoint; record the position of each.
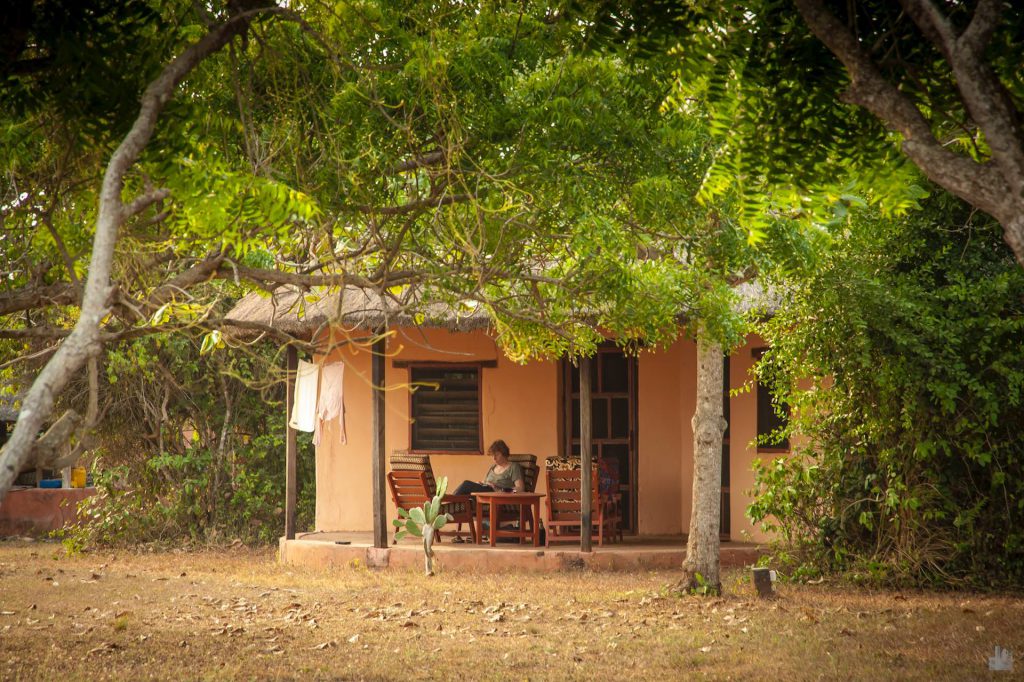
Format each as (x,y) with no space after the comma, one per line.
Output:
(424,522)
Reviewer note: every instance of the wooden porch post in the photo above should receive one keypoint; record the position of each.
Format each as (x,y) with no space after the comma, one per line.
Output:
(586,446)
(380,520)
(291,447)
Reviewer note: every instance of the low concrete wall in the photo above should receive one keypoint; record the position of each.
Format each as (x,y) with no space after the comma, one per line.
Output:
(326,555)
(37,511)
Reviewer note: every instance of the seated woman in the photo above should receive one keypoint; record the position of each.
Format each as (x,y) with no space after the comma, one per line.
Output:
(502,476)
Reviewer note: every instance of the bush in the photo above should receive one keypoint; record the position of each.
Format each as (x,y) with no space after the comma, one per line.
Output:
(190,451)
(900,357)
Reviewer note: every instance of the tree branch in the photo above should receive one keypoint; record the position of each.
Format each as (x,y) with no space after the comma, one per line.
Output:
(30,298)
(984,96)
(980,184)
(141,203)
(412,206)
(214,266)
(429,159)
(933,24)
(263,277)
(983,24)
(69,262)
(84,341)
(46,332)
(202,271)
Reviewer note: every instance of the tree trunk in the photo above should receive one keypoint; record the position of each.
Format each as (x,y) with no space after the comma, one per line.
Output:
(84,341)
(995,186)
(702,545)
(1013,235)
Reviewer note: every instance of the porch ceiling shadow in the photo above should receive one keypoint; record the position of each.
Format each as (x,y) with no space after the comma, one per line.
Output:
(304,313)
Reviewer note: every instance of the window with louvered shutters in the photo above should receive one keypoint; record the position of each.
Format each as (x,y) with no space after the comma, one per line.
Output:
(445,409)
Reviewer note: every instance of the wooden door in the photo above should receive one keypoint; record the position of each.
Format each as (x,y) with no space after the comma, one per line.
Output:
(614,405)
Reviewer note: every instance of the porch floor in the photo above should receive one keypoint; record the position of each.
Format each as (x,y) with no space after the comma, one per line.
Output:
(321,549)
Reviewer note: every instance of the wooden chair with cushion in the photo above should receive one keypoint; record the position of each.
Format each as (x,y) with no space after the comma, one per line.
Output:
(412,483)
(564,501)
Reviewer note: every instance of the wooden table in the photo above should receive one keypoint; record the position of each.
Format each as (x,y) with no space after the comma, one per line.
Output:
(521,501)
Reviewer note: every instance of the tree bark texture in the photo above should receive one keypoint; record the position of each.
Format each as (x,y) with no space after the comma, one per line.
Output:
(995,186)
(703,543)
(85,341)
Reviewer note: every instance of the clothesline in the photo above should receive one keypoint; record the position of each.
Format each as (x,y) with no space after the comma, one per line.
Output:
(319,398)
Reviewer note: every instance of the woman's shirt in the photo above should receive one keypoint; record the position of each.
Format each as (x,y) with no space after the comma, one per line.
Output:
(506,479)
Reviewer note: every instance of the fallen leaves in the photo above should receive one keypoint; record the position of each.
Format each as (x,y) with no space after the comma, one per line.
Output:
(585,626)
(808,616)
(104,648)
(297,615)
(228,629)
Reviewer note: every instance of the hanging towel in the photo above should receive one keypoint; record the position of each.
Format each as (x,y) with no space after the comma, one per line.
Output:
(331,404)
(303,416)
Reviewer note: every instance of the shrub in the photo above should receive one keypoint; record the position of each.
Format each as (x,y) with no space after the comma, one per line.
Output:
(900,356)
(190,451)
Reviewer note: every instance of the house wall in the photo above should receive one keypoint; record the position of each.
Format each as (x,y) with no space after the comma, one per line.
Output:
(520,404)
(665,455)
(668,399)
(742,438)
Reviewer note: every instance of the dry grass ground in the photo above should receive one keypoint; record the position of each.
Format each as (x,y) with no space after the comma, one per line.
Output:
(238,614)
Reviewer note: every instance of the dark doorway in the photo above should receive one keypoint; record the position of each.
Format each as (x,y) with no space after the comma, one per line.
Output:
(614,405)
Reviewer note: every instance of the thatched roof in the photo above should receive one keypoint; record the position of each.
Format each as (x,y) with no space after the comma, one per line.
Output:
(304,313)
(756,297)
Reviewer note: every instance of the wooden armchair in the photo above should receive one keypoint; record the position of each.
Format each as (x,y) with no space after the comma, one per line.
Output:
(564,503)
(412,483)
(530,470)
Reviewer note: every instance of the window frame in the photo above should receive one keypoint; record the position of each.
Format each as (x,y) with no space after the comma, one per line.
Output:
(411,366)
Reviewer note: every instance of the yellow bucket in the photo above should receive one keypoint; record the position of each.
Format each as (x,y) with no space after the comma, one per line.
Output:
(78,477)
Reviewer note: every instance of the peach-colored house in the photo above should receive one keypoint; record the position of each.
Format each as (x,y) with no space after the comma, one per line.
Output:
(646,403)
(642,408)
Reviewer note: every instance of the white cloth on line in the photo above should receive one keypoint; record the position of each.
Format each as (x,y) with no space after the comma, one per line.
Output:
(331,403)
(303,417)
